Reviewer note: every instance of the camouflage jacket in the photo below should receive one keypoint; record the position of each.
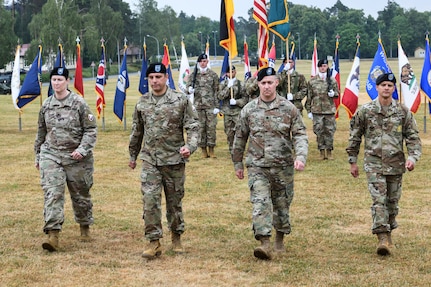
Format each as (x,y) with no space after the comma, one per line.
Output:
(274,132)
(206,88)
(318,101)
(298,85)
(65,126)
(251,88)
(384,133)
(239,95)
(159,125)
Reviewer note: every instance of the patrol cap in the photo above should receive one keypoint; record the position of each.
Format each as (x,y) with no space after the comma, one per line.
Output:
(59,71)
(268,71)
(202,57)
(386,77)
(322,62)
(156,68)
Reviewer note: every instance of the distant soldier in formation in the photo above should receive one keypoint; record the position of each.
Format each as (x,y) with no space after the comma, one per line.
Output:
(322,90)
(66,137)
(159,121)
(293,85)
(385,125)
(251,88)
(203,83)
(277,144)
(232,103)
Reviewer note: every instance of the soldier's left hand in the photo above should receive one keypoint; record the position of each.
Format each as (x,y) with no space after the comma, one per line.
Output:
(185,152)
(331,93)
(76,155)
(298,165)
(232,102)
(410,165)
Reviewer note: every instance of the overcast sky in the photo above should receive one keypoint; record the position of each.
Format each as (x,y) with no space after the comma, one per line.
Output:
(211,8)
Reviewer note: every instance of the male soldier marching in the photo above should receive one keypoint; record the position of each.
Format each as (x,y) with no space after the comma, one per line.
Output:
(322,89)
(293,85)
(204,84)
(277,144)
(385,125)
(232,103)
(159,121)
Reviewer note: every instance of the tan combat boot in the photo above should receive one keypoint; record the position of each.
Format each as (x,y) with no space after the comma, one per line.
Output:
(204,152)
(85,233)
(154,249)
(264,250)
(322,154)
(329,154)
(51,243)
(278,244)
(176,243)
(211,150)
(383,246)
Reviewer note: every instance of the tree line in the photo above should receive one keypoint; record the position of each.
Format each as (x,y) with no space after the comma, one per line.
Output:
(50,22)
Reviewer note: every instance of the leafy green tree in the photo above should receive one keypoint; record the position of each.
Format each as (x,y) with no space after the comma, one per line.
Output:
(7,37)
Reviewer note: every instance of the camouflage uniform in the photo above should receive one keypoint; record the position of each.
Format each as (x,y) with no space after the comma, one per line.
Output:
(384,131)
(230,112)
(274,132)
(205,100)
(298,87)
(323,109)
(63,127)
(251,88)
(158,123)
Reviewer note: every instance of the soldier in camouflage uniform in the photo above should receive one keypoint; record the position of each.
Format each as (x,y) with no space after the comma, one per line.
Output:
(275,131)
(204,85)
(64,144)
(159,121)
(385,124)
(293,85)
(232,103)
(322,90)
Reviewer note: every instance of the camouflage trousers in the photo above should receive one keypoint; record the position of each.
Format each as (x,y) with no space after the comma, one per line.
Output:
(58,171)
(324,127)
(171,178)
(208,125)
(230,121)
(271,193)
(385,191)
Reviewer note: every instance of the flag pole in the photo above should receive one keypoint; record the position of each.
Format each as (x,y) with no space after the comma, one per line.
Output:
(287,57)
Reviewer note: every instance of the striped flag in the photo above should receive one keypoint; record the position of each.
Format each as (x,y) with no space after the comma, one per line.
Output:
(314,59)
(30,88)
(122,86)
(351,91)
(227,28)
(100,84)
(167,62)
(335,73)
(409,88)
(260,15)
(78,82)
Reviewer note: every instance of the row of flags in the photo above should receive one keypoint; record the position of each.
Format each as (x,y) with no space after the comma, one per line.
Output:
(277,21)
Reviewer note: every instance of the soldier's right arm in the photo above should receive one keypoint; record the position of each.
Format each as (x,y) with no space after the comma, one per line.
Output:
(41,134)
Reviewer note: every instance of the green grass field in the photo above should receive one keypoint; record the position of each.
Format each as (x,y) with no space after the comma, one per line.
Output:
(331,243)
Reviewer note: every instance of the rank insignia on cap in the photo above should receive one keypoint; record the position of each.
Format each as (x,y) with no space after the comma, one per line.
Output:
(158,68)
(60,71)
